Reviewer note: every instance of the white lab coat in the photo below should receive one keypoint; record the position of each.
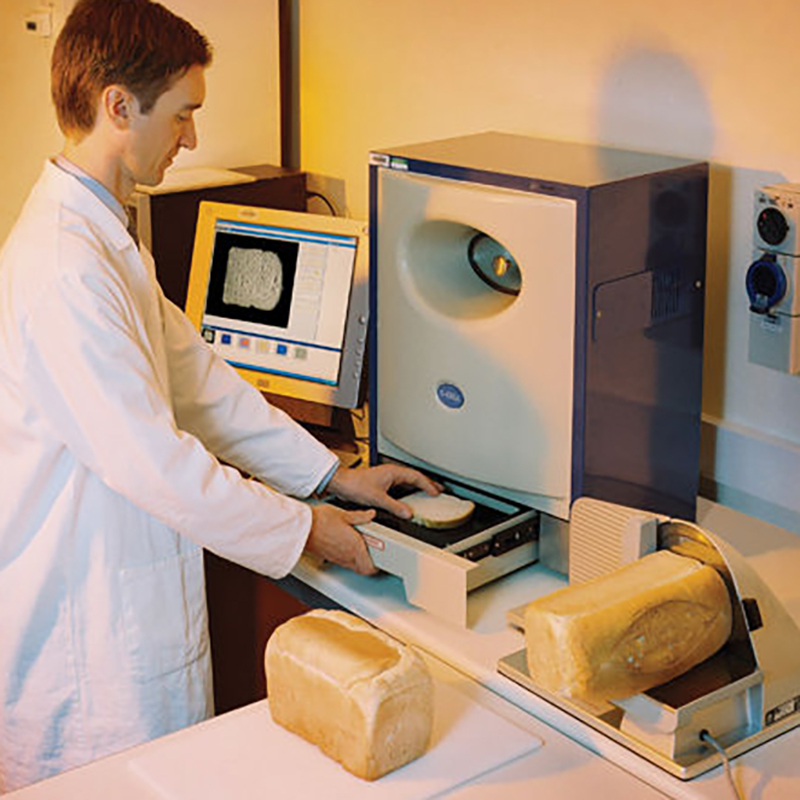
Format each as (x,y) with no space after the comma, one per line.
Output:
(110,408)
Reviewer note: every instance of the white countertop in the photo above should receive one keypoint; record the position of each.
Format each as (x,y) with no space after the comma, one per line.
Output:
(567,758)
(768,772)
(242,755)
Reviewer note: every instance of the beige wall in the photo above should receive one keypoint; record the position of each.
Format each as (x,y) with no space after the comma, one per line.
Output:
(706,79)
(710,79)
(239,124)
(29,132)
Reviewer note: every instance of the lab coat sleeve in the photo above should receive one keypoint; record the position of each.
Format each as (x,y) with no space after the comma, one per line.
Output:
(92,371)
(232,418)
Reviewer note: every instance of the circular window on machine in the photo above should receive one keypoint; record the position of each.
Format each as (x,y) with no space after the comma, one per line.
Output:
(493,264)
(460,271)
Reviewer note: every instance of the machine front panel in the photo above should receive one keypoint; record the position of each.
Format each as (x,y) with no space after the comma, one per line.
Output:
(474,380)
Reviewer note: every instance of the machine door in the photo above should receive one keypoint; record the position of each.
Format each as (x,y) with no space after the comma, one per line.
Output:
(475,332)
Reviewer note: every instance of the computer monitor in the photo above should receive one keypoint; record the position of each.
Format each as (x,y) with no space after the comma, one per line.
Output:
(282,296)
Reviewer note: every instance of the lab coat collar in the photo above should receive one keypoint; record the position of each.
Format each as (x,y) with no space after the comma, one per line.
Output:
(75,195)
(62,162)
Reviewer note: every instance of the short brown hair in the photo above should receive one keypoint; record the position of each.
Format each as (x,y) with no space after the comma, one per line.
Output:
(138,44)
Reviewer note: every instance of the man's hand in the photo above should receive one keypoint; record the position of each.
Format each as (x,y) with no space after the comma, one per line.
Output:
(369,487)
(334,538)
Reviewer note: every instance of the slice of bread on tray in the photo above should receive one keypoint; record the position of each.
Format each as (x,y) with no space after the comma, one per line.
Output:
(442,511)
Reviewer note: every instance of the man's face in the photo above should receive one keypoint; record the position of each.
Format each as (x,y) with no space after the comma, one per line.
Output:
(158,136)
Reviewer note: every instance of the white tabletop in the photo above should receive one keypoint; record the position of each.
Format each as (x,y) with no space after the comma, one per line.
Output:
(769,772)
(242,755)
(566,759)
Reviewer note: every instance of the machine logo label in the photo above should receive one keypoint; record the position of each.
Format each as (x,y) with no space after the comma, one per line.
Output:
(791,706)
(379,159)
(450,395)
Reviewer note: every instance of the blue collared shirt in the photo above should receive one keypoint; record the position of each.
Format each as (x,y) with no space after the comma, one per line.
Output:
(94,186)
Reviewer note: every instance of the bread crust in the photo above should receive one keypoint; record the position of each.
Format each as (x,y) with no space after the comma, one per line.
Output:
(365,699)
(628,631)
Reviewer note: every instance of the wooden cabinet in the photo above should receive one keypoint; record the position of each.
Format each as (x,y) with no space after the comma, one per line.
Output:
(166,220)
(243,610)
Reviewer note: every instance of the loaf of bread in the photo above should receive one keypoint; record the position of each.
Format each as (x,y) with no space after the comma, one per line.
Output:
(440,511)
(364,698)
(627,631)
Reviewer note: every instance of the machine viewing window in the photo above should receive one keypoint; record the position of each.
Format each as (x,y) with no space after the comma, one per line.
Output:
(278,295)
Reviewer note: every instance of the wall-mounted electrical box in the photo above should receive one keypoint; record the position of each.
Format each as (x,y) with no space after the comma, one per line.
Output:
(773,279)
(39,22)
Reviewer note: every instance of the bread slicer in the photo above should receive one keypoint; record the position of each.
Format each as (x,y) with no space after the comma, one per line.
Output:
(744,695)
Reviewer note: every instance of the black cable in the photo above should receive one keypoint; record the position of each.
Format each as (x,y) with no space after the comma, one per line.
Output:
(324,199)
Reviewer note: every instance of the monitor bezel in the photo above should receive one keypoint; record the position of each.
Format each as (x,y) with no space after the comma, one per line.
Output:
(349,391)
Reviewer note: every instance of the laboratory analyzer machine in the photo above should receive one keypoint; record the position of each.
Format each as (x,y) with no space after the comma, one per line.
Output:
(536,336)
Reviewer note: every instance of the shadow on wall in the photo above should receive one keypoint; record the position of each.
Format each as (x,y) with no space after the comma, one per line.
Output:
(651,99)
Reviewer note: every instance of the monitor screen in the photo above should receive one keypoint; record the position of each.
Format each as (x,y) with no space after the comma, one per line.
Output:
(282,296)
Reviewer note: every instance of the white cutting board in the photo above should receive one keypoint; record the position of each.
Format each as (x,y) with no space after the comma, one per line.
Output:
(245,755)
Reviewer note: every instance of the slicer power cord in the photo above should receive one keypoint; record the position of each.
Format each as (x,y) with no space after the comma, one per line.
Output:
(706,737)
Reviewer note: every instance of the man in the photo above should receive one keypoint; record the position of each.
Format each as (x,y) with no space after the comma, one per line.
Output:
(115,421)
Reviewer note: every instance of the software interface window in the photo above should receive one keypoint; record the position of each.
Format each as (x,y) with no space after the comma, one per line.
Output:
(277,299)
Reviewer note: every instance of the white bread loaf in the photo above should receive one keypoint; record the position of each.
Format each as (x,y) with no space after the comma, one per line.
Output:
(440,511)
(364,698)
(627,631)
